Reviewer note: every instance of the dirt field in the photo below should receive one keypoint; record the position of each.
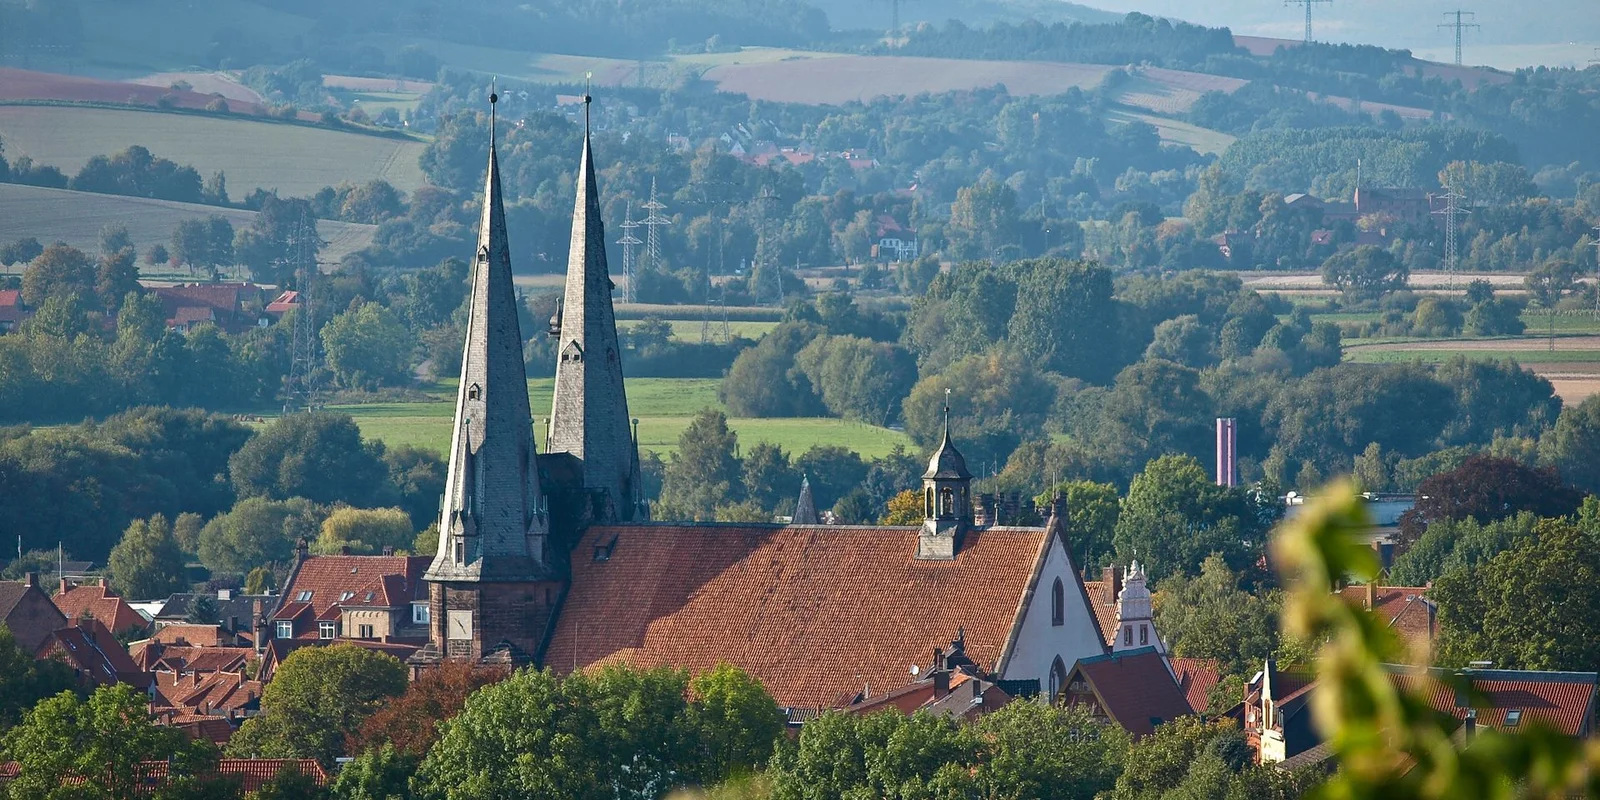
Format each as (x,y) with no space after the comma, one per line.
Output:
(205,83)
(1312,281)
(1528,342)
(19,84)
(846,78)
(354,83)
(1170,91)
(76,218)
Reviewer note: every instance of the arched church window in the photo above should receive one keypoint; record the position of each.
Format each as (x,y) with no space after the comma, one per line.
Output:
(474,392)
(947,502)
(1127,635)
(1058,680)
(1058,604)
(927,503)
(1144,634)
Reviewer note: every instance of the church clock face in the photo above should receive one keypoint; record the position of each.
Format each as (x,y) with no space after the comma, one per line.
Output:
(458,625)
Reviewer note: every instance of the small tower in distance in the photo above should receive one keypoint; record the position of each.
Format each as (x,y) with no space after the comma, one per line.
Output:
(805,509)
(1136,627)
(946,499)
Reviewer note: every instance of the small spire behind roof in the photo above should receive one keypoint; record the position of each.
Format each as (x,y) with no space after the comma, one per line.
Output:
(805,509)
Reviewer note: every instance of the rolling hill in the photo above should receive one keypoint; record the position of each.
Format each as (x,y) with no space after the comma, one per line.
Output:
(51,215)
(296,160)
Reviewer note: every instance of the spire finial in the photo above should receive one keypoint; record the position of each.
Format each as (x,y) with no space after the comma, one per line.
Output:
(588,79)
(494,100)
(947,414)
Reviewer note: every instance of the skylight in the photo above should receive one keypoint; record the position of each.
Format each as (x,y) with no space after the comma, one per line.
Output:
(1513,717)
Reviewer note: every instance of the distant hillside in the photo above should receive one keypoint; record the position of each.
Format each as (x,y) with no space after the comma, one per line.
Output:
(876,14)
(1412,26)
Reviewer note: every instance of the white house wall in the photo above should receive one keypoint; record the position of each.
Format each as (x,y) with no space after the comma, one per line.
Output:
(1039,643)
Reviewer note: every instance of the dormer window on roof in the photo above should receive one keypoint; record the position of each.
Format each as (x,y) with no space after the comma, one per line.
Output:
(304,596)
(343,596)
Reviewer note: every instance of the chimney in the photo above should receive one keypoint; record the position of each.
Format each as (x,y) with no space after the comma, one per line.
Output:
(65,586)
(224,594)
(1372,594)
(1112,576)
(302,548)
(983,511)
(388,549)
(30,580)
(941,683)
(1227,451)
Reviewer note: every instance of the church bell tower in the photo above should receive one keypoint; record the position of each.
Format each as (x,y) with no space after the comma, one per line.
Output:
(492,587)
(946,499)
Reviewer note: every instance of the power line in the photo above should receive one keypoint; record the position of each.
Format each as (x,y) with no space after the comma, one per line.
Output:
(1308,4)
(1451,212)
(630,293)
(1459,26)
(652,221)
(300,388)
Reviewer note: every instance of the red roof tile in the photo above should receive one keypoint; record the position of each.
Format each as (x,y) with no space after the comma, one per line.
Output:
(95,654)
(391,580)
(10,298)
(1133,688)
(1404,608)
(1104,603)
(1562,700)
(1196,677)
(813,612)
(98,601)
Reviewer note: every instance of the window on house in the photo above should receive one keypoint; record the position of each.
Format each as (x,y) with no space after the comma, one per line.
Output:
(419,613)
(1127,635)
(343,596)
(304,596)
(460,549)
(1058,604)
(473,392)
(1144,634)
(1058,679)
(364,631)
(327,630)
(1513,718)
(285,630)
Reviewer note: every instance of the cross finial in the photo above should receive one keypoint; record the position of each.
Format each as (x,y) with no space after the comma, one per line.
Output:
(947,414)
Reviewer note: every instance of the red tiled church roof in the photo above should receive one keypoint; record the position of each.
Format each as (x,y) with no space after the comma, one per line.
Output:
(1104,603)
(814,612)
(1196,678)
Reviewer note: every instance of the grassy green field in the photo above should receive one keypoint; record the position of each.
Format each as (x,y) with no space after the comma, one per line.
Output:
(1525,357)
(688,330)
(294,159)
(663,406)
(1201,140)
(51,215)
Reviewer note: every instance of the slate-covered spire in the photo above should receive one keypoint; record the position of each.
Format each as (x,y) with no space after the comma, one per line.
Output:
(492,524)
(805,509)
(589,416)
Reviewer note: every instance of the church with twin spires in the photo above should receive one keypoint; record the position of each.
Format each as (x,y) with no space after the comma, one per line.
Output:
(550,558)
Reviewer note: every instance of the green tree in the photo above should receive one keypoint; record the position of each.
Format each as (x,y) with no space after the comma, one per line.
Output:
(1572,446)
(1092,511)
(1533,606)
(1184,340)
(318,697)
(1549,284)
(61,272)
(704,473)
(1174,517)
(25,680)
(1449,545)
(763,382)
(21,251)
(859,379)
(1041,751)
(319,456)
(1210,616)
(365,531)
(380,773)
(983,220)
(1365,272)
(737,724)
(148,563)
(997,400)
(280,242)
(257,532)
(367,346)
(102,740)
(887,755)
(769,479)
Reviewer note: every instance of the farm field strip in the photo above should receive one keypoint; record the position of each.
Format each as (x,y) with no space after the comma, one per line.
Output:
(688,330)
(294,159)
(1201,140)
(846,78)
(76,218)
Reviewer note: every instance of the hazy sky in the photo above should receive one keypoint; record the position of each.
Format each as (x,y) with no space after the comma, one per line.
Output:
(1568,30)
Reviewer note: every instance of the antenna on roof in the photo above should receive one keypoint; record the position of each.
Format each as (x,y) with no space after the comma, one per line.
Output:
(588,79)
(494,100)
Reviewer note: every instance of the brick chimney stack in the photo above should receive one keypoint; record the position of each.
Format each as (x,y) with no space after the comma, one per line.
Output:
(983,511)
(1372,594)
(30,580)
(1112,576)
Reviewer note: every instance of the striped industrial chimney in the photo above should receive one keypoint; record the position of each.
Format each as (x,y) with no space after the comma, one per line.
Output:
(1227,451)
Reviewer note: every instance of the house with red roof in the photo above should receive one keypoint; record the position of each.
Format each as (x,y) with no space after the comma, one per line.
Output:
(95,599)
(233,307)
(952,686)
(28,612)
(94,654)
(1132,688)
(13,312)
(374,598)
(250,774)
(1406,609)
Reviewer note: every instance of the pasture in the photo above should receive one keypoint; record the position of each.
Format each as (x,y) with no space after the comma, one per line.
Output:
(1201,140)
(1572,366)
(842,79)
(51,215)
(296,160)
(664,407)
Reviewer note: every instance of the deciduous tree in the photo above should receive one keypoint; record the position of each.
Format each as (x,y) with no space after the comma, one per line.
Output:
(318,698)
(148,563)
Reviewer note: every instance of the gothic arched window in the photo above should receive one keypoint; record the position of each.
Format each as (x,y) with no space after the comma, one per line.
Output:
(947,502)
(1058,680)
(1058,604)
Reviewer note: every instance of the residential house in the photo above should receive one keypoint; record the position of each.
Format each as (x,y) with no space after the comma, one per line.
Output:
(892,241)
(952,686)
(13,312)
(94,654)
(237,613)
(1133,688)
(95,599)
(233,307)
(377,598)
(1406,609)
(28,612)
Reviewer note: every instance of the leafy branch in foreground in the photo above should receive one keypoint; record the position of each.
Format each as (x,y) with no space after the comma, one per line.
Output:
(1392,744)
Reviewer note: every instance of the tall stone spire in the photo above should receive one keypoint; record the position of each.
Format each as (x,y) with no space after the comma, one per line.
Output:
(589,416)
(492,525)
(805,509)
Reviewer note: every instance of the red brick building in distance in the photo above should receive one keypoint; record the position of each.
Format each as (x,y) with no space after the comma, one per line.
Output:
(27,611)
(95,599)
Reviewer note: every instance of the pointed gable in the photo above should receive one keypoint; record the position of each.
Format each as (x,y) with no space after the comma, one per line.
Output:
(589,414)
(492,524)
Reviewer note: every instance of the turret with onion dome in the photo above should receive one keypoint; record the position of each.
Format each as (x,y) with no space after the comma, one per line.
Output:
(946,498)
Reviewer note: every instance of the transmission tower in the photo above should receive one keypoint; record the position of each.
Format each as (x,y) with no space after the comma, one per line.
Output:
(763,202)
(628,241)
(300,387)
(1451,212)
(1460,26)
(1308,4)
(653,222)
